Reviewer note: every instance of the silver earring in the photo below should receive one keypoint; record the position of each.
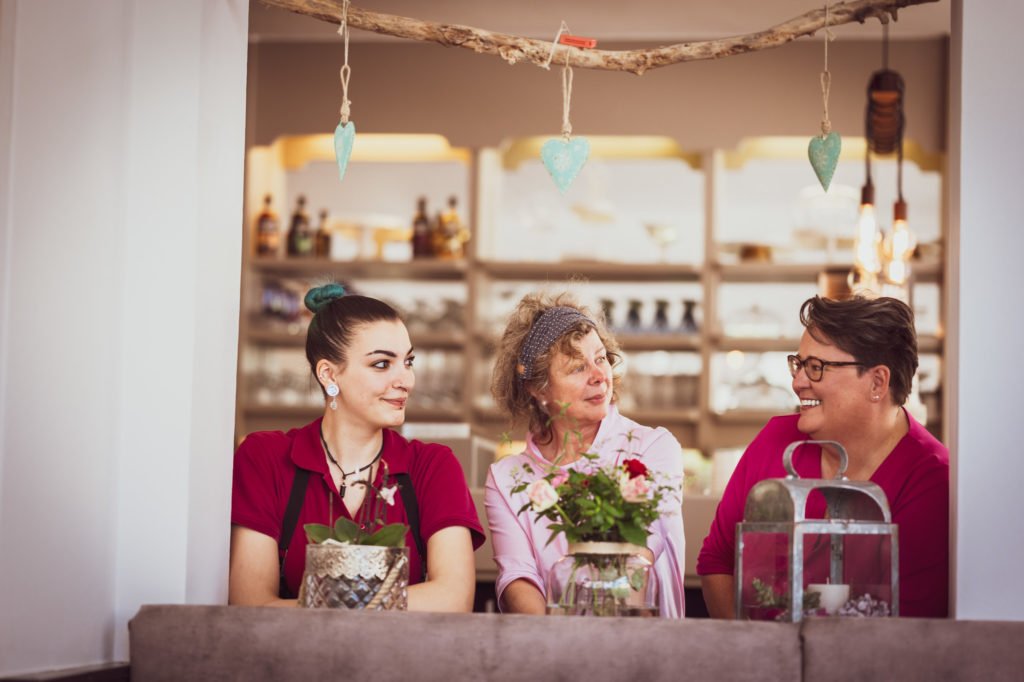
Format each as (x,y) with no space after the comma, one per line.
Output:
(875,398)
(333,391)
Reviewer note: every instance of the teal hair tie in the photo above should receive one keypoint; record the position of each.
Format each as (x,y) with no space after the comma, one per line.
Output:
(318,297)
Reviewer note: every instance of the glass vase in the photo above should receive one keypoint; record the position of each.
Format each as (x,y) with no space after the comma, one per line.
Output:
(365,577)
(603,579)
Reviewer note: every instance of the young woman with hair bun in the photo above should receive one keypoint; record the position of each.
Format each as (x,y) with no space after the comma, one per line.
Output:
(360,353)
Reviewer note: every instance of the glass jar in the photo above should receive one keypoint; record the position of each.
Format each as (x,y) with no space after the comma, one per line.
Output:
(369,577)
(603,579)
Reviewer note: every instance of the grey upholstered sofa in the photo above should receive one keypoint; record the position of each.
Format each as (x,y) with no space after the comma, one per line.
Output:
(236,643)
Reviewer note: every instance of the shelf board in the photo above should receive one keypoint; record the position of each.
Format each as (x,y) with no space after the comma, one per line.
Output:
(748,416)
(927,343)
(412,414)
(685,415)
(429,339)
(647,342)
(314,267)
(593,270)
(754,345)
(630,342)
(807,272)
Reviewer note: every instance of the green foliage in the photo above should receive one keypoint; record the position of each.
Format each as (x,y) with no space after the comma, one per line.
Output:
(372,531)
(591,506)
(767,597)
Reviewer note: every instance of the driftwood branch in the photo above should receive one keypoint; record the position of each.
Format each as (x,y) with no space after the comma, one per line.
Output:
(515,49)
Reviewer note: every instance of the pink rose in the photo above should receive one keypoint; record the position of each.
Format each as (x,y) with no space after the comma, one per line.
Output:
(560,478)
(542,495)
(633,489)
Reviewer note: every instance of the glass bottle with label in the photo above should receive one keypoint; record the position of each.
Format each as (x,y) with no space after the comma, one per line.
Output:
(450,235)
(268,230)
(300,234)
(323,236)
(421,242)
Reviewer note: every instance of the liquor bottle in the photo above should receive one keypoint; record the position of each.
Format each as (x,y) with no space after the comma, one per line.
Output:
(323,236)
(689,324)
(300,234)
(660,315)
(421,242)
(633,315)
(268,230)
(450,235)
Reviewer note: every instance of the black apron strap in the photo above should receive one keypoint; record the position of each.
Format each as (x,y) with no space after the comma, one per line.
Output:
(412,512)
(291,518)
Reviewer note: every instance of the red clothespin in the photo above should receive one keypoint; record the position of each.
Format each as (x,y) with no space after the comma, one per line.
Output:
(577,41)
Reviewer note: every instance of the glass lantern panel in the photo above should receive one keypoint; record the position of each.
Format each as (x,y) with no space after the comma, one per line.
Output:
(858,583)
(847,575)
(765,576)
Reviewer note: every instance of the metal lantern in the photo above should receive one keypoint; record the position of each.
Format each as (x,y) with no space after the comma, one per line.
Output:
(789,566)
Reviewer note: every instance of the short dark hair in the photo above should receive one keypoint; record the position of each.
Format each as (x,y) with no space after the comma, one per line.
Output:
(330,330)
(875,331)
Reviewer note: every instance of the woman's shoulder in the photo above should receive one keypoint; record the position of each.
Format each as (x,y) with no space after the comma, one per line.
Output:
(418,458)
(928,449)
(641,435)
(268,445)
(920,460)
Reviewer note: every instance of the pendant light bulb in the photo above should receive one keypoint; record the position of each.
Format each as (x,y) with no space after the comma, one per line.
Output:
(899,246)
(869,240)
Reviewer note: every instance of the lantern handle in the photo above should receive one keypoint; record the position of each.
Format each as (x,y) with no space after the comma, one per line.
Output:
(787,457)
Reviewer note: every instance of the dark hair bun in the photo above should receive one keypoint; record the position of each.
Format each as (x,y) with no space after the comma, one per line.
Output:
(318,297)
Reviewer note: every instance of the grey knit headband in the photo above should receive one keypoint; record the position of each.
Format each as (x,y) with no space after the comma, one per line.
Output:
(547,329)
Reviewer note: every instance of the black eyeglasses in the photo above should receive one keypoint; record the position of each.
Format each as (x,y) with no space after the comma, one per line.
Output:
(815,367)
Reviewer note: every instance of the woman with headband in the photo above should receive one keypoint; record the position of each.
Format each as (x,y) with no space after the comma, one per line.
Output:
(555,371)
(360,354)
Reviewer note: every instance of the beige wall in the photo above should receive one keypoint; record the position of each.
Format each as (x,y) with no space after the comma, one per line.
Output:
(478,100)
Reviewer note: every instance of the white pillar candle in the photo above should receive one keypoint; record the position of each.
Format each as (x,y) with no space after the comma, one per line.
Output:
(833,597)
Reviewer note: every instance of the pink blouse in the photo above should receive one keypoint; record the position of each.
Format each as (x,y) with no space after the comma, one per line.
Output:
(520,542)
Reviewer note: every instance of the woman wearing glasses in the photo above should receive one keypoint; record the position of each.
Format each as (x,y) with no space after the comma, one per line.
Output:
(852,375)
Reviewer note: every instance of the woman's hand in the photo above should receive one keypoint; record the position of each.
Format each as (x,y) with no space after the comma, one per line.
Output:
(254,574)
(452,573)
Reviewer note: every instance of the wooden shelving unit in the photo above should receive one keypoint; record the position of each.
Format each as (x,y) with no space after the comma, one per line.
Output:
(696,425)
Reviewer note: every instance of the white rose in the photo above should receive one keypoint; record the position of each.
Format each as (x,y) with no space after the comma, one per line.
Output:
(542,495)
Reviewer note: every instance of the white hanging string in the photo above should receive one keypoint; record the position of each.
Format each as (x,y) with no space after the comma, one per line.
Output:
(566,79)
(826,79)
(566,97)
(346,71)
(562,28)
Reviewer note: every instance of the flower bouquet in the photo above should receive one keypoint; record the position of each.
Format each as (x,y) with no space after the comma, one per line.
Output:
(361,564)
(604,511)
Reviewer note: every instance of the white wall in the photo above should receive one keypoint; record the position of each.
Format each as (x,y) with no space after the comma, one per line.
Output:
(121,169)
(986,95)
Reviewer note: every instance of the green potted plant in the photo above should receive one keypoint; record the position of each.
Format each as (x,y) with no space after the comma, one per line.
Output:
(361,564)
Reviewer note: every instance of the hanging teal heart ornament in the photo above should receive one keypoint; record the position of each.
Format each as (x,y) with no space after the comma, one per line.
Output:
(823,151)
(564,159)
(344,137)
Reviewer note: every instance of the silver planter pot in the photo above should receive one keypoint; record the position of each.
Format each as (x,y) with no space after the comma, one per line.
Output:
(355,577)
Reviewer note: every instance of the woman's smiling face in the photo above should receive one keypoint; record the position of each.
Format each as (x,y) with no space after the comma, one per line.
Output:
(377,377)
(836,406)
(583,384)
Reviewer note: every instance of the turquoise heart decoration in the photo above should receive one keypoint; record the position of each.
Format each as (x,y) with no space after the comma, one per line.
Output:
(344,136)
(564,159)
(824,155)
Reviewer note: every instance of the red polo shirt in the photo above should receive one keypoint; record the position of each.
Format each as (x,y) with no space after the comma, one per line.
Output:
(265,466)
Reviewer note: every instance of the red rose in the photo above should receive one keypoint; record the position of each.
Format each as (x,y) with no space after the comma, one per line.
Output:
(634,468)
